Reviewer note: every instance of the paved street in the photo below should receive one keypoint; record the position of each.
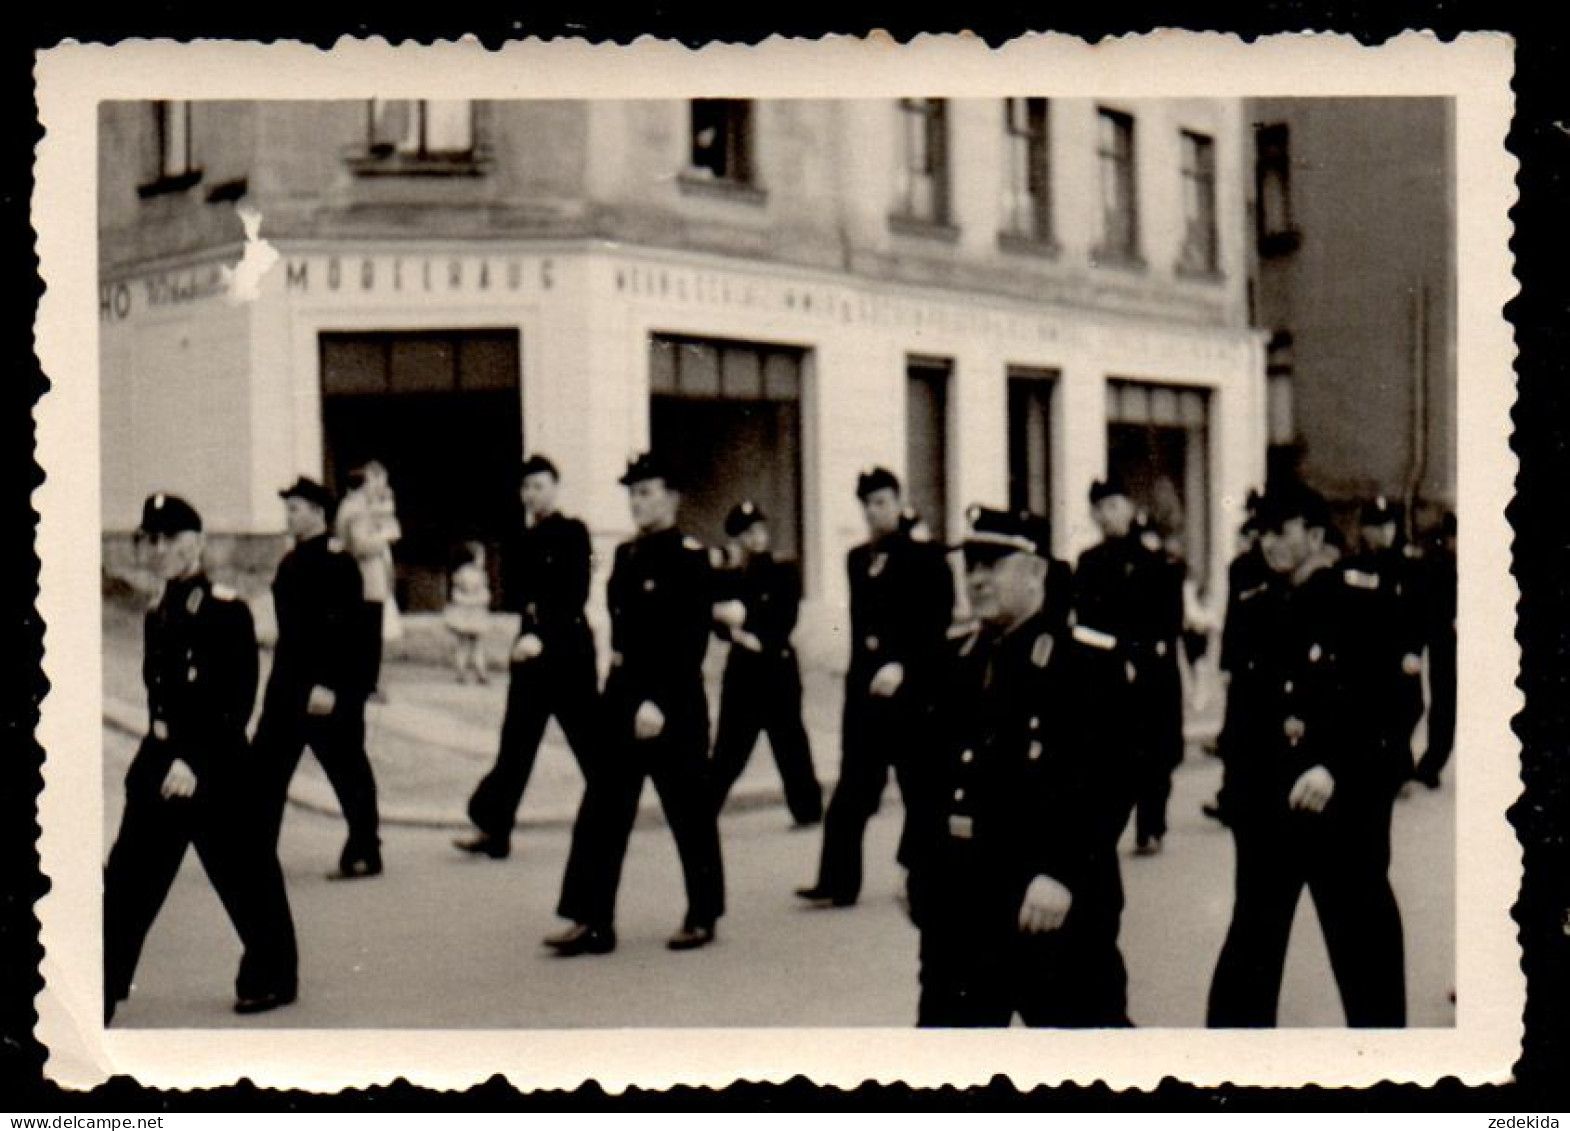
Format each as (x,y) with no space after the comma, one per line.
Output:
(446,941)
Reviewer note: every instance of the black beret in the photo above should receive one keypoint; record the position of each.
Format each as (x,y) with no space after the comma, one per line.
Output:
(536,464)
(312,492)
(741,517)
(647,465)
(1377,511)
(168,514)
(875,479)
(997,533)
(1296,500)
(1106,489)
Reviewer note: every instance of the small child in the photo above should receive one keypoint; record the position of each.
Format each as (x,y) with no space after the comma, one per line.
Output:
(468,613)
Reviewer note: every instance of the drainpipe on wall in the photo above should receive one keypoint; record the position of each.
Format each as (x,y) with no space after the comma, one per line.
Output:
(1418,465)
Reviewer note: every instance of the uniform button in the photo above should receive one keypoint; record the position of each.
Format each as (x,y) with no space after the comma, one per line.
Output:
(190,675)
(1287,687)
(968,757)
(1035,751)
(959,795)
(872,643)
(1035,722)
(648,586)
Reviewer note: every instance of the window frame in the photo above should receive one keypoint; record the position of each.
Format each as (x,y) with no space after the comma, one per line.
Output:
(1036,138)
(1122,160)
(1273,161)
(927,118)
(378,156)
(1200,255)
(170,177)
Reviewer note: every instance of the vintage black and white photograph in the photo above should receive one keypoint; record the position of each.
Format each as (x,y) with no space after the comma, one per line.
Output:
(943,556)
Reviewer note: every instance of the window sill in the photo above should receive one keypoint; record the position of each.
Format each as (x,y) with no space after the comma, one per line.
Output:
(903,225)
(1118,260)
(1283,242)
(1199,274)
(403,165)
(1016,244)
(164,186)
(720,188)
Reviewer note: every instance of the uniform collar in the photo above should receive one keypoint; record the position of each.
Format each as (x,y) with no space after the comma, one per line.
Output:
(177,592)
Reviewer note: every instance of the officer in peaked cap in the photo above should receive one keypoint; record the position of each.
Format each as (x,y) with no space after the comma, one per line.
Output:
(901,603)
(656,724)
(1386,585)
(761,690)
(545,580)
(1308,800)
(191,780)
(317,690)
(1013,865)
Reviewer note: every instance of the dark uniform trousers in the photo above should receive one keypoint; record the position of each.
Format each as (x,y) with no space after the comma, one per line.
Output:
(317,594)
(660,597)
(761,694)
(1301,703)
(1016,789)
(761,690)
(200,668)
(561,681)
(901,601)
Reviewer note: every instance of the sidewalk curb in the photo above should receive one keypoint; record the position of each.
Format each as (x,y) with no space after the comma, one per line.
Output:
(315,797)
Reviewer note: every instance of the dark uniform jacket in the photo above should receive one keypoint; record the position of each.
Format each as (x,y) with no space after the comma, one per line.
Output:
(1293,703)
(1105,582)
(1246,573)
(545,579)
(317,595)
(200,667)
(771,592)
(1015,791)
(661,606)
(901,603)
(1385,591)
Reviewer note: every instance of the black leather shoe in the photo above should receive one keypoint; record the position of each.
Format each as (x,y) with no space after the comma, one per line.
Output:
(261,1003)
(690,938)
(822,897)
(580,938)
(356,870)
(484,844)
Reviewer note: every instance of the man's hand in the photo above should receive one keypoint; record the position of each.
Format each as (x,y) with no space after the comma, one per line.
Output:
(1312,790)
(649,722)
(322,701)
(887,680)
(746,639)
(527,648)
(1412,664)
(1045,907)
(180,781)
(731,614)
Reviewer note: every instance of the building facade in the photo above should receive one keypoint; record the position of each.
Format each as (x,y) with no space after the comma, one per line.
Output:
(1356,287)
(998,299)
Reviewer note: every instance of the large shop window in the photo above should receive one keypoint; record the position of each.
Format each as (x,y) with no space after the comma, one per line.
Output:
(927,440)
(1030,439)
(442,411)
(1158,441)
(727,414)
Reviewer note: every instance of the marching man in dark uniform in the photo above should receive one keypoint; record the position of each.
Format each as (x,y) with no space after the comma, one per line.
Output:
(191,781)
(1391,598)
(1157,628)
(1013,858)
(761,692)
(546,582)
(1247,574)
(656,725)
(1109,628)
(901,602)
(1309,792)
(317,691)
(1440,613)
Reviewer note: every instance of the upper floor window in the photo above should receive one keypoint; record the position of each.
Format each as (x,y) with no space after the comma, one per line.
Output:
(1273,189)
(721,140)
(421,128)
(922,193)
(174,164)
(1119,205)
(1199,204)
(1027,202)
